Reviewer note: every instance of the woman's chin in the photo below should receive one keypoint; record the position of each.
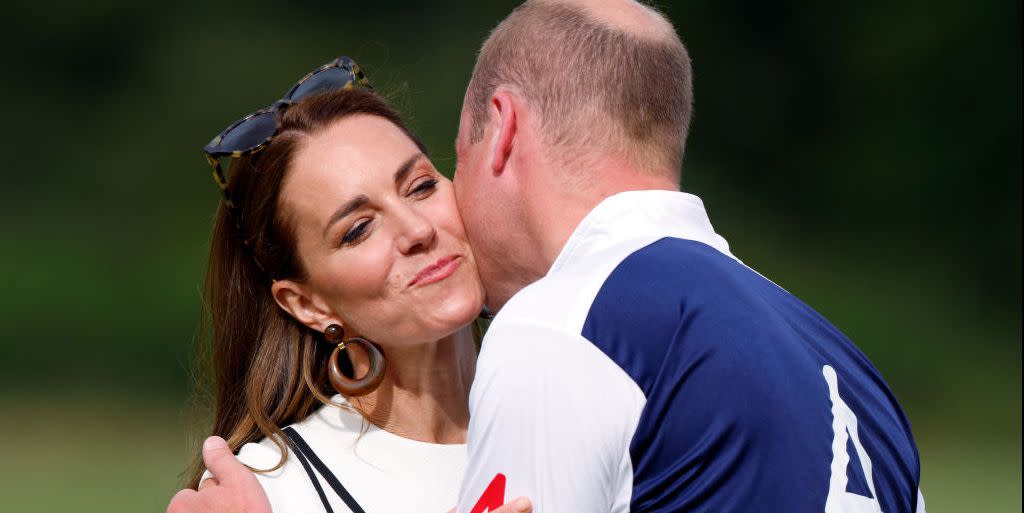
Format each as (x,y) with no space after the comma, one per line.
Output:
(456,312)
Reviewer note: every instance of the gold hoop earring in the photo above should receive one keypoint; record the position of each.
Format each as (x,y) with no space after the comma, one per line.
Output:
(345,386)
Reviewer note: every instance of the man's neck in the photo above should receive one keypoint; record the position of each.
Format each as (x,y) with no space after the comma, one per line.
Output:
(555,195)
(564,203)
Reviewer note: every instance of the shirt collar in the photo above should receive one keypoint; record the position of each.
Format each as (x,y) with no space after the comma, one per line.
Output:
(641,214)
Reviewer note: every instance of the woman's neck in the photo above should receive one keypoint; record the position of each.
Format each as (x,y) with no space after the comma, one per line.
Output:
(425,392)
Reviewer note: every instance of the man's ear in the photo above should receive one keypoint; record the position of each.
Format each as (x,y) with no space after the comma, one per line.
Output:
(293,298)
(504,109)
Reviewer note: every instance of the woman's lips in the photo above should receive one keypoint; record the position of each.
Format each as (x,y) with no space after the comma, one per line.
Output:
(437,271)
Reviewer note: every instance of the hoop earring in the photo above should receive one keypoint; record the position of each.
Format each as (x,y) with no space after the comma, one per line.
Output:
(335,334)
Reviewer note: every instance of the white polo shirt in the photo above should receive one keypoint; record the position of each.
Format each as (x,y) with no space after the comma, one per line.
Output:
(650,370)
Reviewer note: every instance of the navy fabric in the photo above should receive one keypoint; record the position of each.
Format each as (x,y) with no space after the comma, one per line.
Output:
(857,482)
(738,414)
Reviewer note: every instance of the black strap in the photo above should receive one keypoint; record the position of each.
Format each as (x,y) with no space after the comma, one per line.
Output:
(309,470)
(307,452)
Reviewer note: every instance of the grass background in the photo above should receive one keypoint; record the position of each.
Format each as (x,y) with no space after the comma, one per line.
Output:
(865,156)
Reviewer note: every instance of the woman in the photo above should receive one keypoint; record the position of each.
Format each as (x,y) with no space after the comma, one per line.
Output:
(335,227)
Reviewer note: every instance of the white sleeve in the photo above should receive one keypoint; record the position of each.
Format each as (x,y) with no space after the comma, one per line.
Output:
(554,415)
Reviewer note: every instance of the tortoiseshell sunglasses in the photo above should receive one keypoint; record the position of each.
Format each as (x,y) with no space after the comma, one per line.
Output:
(252,133)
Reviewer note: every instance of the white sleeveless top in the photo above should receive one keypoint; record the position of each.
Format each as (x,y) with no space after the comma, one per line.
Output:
(383,472)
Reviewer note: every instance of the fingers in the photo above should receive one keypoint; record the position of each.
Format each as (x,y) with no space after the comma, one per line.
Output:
(234,488)
(221,462)
(522,505)
(184,501)
(519,505)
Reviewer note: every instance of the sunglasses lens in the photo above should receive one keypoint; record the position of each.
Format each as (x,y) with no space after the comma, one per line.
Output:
(330,78)
(250,133)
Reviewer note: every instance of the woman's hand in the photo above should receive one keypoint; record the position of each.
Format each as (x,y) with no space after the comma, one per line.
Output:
(233,489)
(519,505)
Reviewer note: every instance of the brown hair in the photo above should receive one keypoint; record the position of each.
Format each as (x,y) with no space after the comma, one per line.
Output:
(268,370)
(589,82)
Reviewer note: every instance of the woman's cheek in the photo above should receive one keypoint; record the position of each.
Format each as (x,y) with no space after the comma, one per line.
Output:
(445,212)
(364,278)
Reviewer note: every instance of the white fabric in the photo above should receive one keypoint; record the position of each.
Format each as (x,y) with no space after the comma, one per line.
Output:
(384,472)
(559,430)
(551,415)
(549,410)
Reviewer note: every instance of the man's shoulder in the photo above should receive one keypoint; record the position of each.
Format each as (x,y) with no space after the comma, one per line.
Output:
(545,303)
(625,300)
(522,350)
(656,283)
(562,299)
(529,370)
(629,274)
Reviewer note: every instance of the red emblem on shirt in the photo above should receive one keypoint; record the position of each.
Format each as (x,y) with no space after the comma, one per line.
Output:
(493,497)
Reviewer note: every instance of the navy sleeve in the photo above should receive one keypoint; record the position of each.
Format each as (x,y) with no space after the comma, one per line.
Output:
(740,415)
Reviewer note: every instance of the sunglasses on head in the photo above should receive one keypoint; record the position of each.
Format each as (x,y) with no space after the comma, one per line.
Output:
(252,133)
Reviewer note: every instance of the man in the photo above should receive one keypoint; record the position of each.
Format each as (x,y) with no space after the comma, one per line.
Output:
(635,364)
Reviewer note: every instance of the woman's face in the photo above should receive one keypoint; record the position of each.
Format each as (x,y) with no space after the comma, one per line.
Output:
(379,235)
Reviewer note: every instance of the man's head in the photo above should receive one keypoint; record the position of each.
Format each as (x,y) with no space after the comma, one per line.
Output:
(570,101)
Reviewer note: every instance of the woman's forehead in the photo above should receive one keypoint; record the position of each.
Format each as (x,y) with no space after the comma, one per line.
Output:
(356,151)
(357,155)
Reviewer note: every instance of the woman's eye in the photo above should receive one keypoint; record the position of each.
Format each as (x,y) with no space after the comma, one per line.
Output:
(424,186)
(355,233)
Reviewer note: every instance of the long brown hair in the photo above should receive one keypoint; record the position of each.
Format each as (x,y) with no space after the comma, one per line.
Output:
(266,369)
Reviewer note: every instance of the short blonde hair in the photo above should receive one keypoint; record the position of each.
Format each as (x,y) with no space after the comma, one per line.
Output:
(590,83)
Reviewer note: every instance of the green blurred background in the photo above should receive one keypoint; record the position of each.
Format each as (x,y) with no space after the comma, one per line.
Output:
(864,155)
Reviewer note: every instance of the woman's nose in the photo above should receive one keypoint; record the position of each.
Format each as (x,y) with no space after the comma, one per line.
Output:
(417,232)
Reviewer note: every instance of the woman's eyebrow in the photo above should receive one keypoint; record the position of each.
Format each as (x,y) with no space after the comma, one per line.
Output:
(406,167)
(354,204)
(344,210)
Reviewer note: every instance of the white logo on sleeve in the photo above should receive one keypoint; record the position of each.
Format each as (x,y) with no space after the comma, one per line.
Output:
(844,425)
